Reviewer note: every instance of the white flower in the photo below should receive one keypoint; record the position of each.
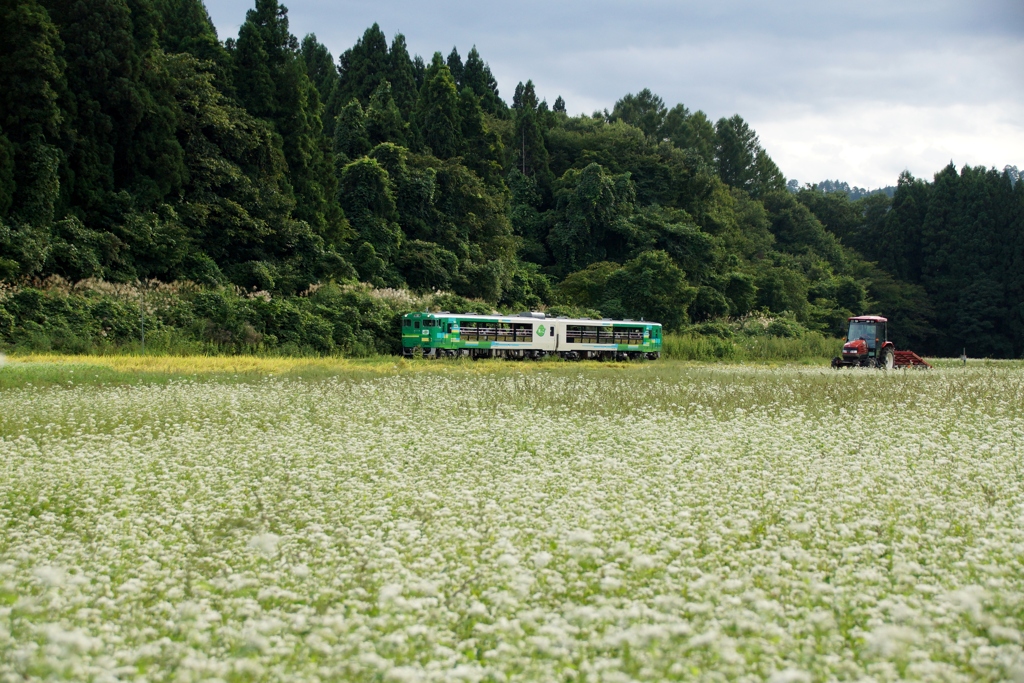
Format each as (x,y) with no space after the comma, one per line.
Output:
(51,576)
(265,543)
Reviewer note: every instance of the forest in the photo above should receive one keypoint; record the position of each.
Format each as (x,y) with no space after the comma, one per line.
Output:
(270,191)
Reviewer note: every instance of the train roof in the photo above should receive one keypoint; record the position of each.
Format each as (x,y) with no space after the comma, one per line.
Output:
(528,316)
(868,319)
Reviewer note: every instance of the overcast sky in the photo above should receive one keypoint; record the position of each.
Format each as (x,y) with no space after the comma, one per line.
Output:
(855,91)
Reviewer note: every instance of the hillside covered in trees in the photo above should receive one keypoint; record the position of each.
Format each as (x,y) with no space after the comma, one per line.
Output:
(136,145)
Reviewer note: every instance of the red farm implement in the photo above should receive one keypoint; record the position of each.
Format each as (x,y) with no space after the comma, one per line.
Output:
(868,346)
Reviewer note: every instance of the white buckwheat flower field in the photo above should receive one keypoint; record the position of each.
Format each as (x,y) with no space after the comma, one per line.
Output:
(568,524)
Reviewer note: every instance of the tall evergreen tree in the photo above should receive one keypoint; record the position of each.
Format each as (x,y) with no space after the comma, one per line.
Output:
(402,76)
(7,184)
(767,176)
(237,203)
(529,153)
(736,147)
(477,75)
(273,84)
(419,72)
(525,97)
(185,26)
(32,80)
(31,75)
(455,65)
(482,149)
(437,113)
(363,66)
(103,103)
(253,78)
(899,246)
(322,72)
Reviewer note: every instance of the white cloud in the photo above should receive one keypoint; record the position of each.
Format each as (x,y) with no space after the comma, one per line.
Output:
(835,90)
(870,144)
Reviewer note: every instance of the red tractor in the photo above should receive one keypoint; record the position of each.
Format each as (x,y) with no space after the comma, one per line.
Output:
(868,346)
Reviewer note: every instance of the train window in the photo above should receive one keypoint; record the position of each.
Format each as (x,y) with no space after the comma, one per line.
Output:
(450,327)
(428,323)
(416,324)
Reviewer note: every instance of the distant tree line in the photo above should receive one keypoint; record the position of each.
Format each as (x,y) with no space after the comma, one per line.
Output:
(854,193)
(135,144)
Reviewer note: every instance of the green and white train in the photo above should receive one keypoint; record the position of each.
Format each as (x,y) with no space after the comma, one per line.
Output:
(528,335)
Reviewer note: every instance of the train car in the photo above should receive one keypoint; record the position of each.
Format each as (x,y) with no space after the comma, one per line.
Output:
(528,335)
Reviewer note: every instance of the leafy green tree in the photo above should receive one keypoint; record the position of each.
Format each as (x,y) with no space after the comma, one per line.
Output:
(351,140)
(672,231)
(708,304)
(594,207)
(690,131)
(367,196)
(651,287)
(645,110)
(383,119)
(781,289)
(587,287)
(528,223)
(472,222)
(427,266)
(415,191)
(798,231)
(740,292)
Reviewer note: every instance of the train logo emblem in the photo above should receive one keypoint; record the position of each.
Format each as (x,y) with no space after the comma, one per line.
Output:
(540,330)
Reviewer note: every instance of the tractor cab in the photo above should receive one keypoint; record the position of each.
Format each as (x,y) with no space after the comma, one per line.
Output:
(867,343)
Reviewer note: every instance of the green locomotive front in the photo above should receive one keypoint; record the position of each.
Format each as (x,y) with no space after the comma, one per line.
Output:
(528,335)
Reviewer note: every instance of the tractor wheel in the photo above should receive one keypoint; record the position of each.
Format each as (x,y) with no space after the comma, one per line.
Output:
(888,360)
(836,363)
